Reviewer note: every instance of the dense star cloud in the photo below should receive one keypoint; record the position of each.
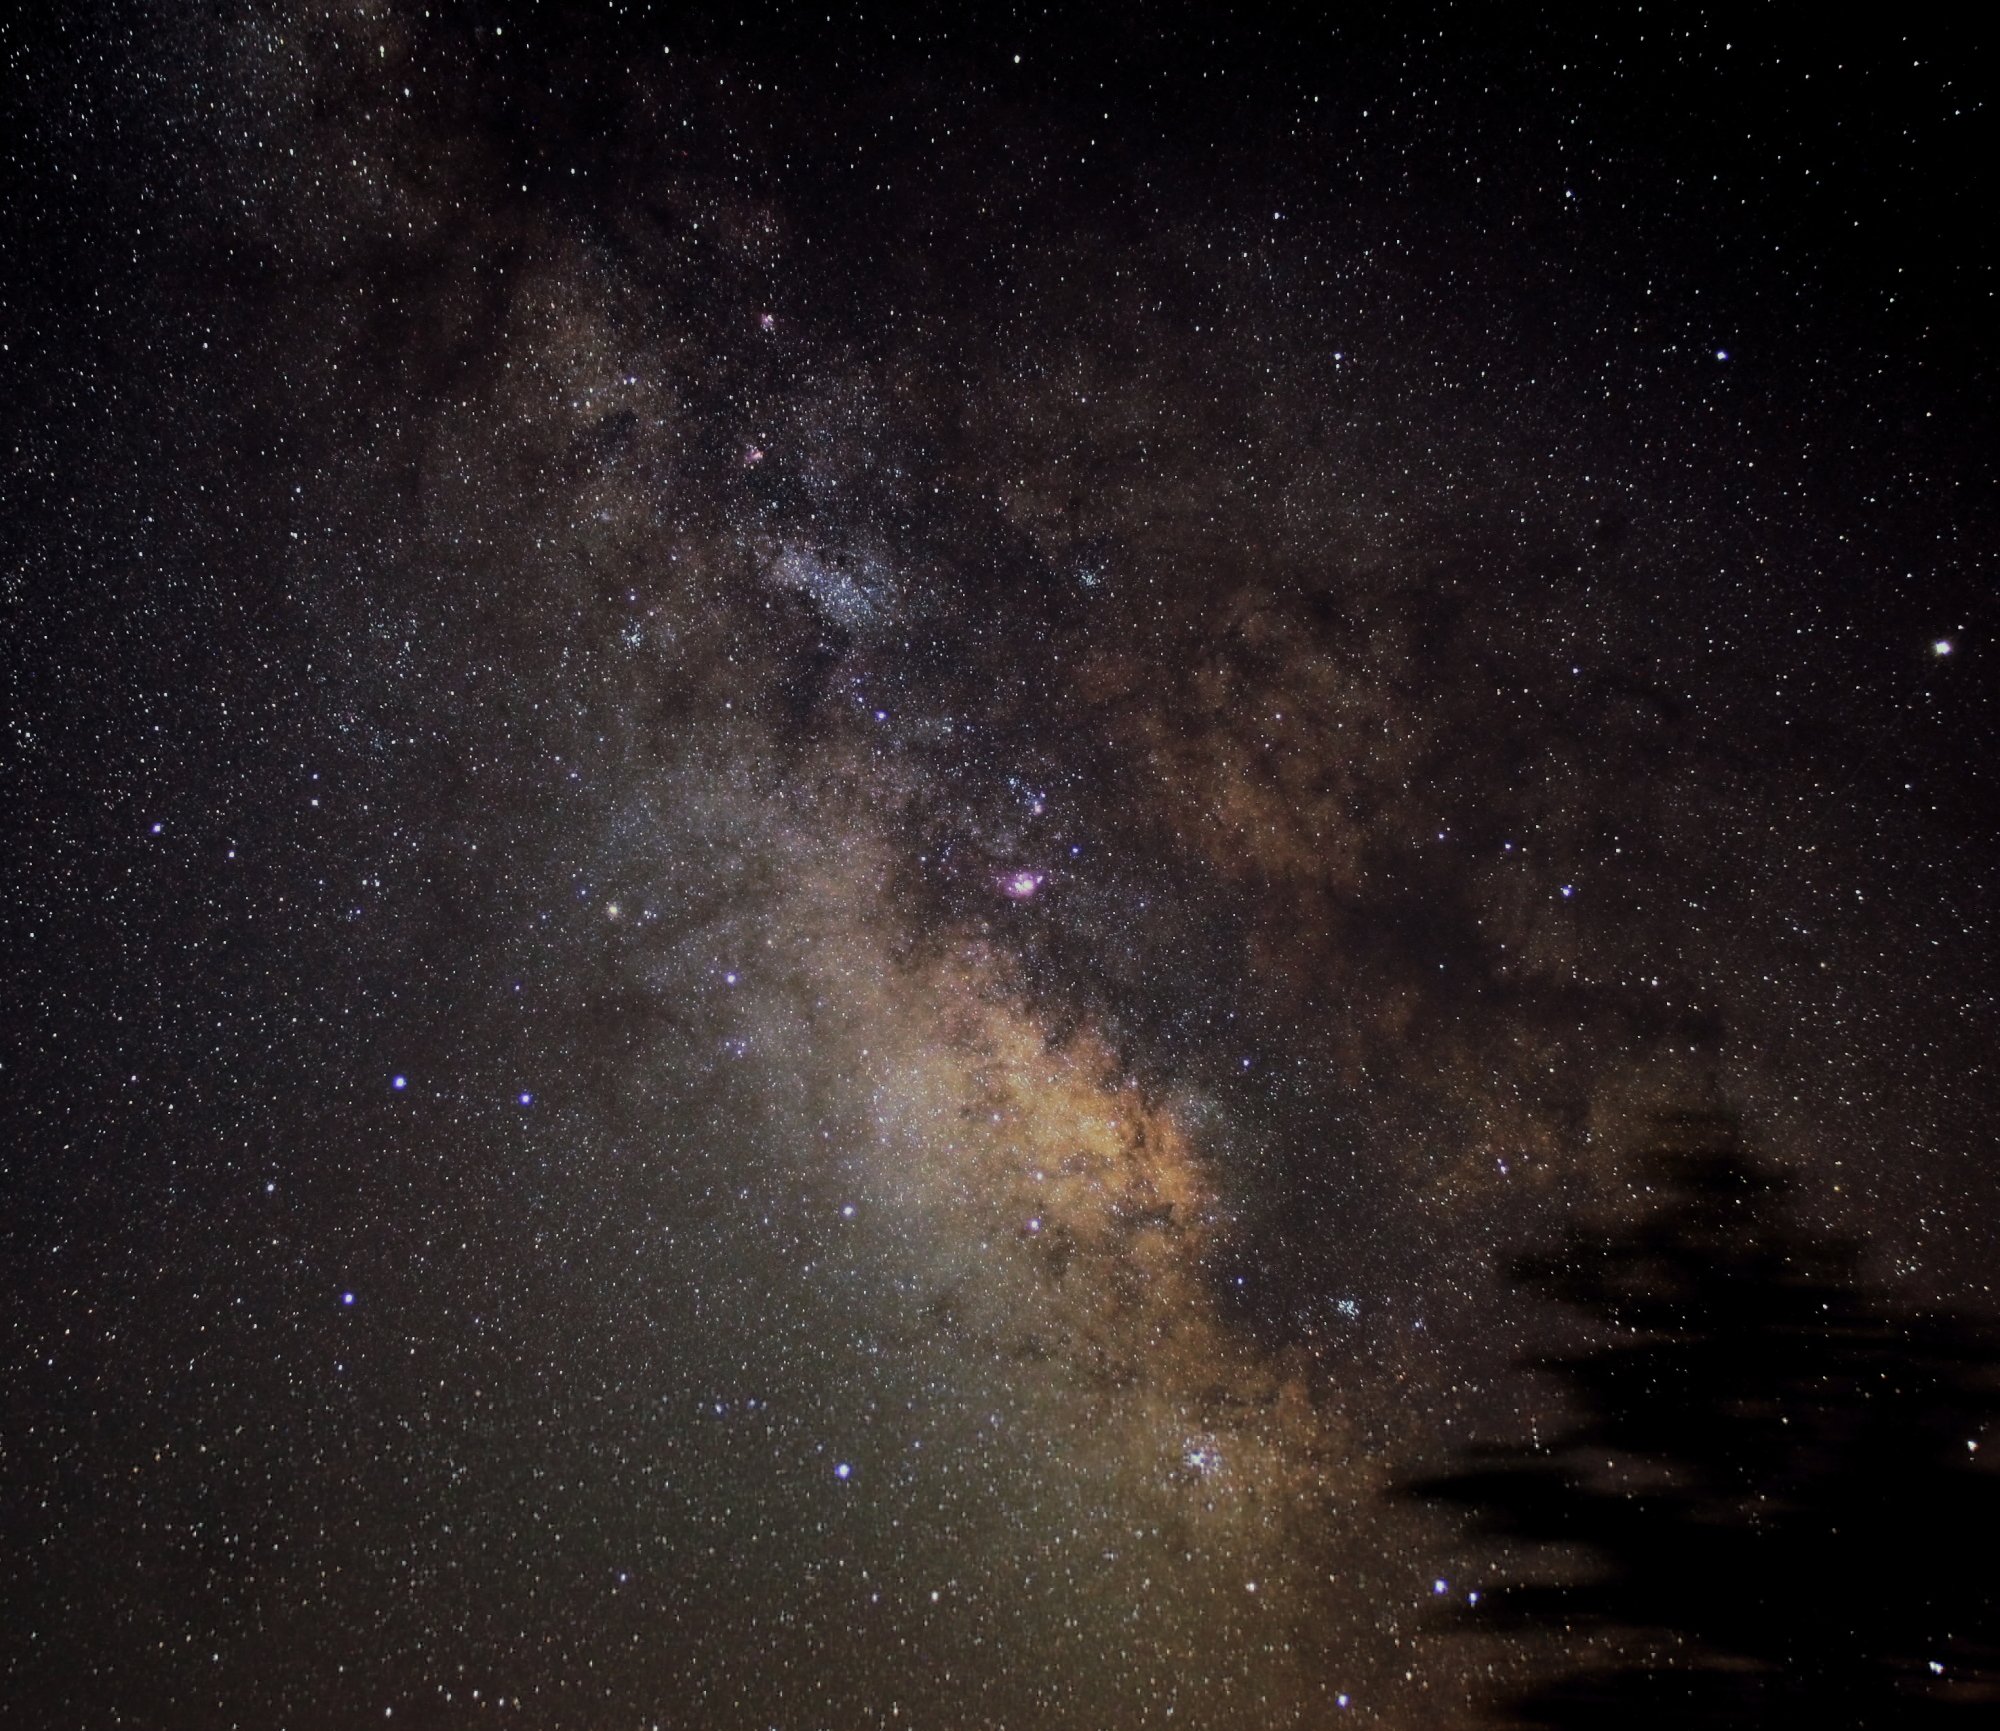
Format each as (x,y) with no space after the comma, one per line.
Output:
(821,831)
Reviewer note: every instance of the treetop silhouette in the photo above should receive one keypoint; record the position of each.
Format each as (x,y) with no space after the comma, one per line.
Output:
(1763,1502)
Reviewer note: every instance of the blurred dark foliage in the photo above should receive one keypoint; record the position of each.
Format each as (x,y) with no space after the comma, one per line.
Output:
(1767,1502)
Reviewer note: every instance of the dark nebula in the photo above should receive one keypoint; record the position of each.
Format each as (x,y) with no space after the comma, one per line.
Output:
(821,832)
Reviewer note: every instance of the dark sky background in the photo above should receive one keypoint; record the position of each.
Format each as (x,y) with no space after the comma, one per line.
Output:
(817,832)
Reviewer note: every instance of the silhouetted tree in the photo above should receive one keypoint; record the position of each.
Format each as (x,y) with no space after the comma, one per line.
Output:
(1768,1476)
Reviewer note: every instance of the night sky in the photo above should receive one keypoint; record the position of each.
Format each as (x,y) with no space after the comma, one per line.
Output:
(818,832)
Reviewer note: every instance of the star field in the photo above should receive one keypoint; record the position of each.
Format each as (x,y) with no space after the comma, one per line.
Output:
(822,830)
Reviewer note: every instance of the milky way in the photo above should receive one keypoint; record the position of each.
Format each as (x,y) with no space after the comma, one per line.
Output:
(825,834)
